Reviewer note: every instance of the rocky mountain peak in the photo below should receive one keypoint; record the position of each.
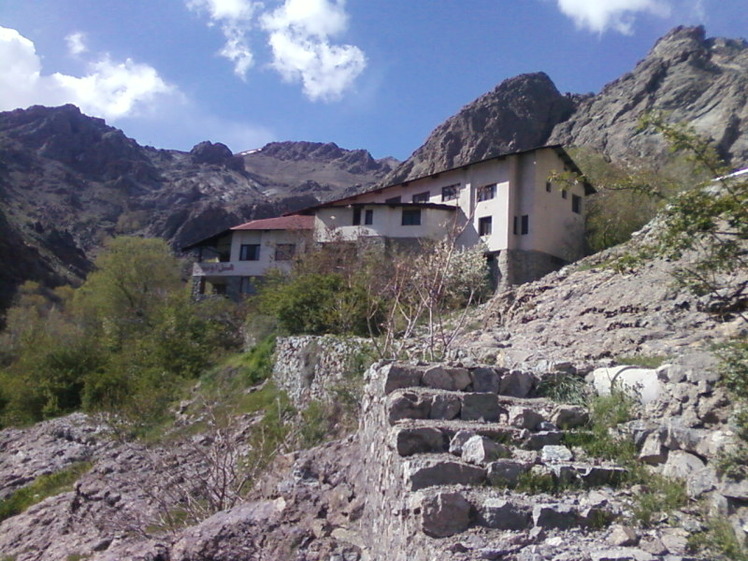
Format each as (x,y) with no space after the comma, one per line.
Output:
(518,114)
(219,154)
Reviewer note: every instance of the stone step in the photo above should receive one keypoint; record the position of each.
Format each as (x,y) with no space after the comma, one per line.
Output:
(434,469)
(415,436)
(456,378)
(531,414)
(448,511)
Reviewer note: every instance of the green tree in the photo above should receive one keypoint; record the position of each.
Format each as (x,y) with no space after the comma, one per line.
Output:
(133,278)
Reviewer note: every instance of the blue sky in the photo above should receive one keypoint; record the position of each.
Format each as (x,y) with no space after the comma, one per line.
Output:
(378,75)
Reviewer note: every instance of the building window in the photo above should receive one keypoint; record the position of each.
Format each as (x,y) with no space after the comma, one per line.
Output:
(422,197)
(450,192)
(392,200)
(356,216)
(548,186)
(369,217)
(484,226)
(285,251)
(249,252)
(564,194)
(411,217)
(576,204)
(521,225)
(486,192)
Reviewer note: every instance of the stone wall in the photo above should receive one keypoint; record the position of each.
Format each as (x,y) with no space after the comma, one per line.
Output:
(519,266)
(310,368)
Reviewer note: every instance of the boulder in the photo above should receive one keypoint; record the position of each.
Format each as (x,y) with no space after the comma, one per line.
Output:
(485,380)
(446,378)
(480,407)
(516,383)
(426,473)
(554,453)
(570,416)
(445,406)
(558,516)
(642,384)
(524,417)
(482,450)
(397,376)
(505,472)
(445,514)
(459,440)
(501,514)
(419,441)
(408,405)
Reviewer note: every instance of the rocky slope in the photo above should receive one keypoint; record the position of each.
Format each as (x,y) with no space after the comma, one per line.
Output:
(429,473)
(698,80)
(68,181)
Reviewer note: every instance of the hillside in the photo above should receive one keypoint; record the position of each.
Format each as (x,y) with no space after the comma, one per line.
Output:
(459,460)
(69,181)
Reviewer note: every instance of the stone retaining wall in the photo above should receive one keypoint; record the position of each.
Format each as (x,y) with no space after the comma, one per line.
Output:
(312,368)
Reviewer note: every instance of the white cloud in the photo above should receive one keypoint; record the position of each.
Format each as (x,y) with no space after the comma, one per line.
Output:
(619,15)
(76,43)
(299,36)
(110,89)
(235,19)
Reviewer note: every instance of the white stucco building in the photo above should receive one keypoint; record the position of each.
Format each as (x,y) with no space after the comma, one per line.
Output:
(528,224)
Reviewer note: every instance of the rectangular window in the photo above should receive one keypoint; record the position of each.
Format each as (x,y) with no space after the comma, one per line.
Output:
(576,204)
(564,194)
(249,252)
(548,186)
(356,216)
(521,225)
(421,197)
(450,192)
(486,192)
(285,251)
(484,226)
(411,217)
(392,200)
(369,217)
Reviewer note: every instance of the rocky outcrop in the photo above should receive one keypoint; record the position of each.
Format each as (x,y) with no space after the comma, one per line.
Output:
(693,79)
(518,115)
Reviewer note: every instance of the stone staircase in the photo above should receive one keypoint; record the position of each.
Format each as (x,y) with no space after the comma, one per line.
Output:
(462,444)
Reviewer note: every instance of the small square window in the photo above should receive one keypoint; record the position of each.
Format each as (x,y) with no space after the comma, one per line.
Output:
(369,217)
(450,192)
(484,226)
(576,204)
(486,192)
(421,197)
(249,252)
(285,251)
(411,217)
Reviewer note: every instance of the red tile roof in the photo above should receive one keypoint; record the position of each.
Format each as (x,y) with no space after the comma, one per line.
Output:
(292,222)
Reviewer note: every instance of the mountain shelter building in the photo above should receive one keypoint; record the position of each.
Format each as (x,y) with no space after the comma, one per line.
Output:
(527,223)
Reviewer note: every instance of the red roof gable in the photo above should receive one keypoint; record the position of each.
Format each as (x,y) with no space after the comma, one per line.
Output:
(292,222)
